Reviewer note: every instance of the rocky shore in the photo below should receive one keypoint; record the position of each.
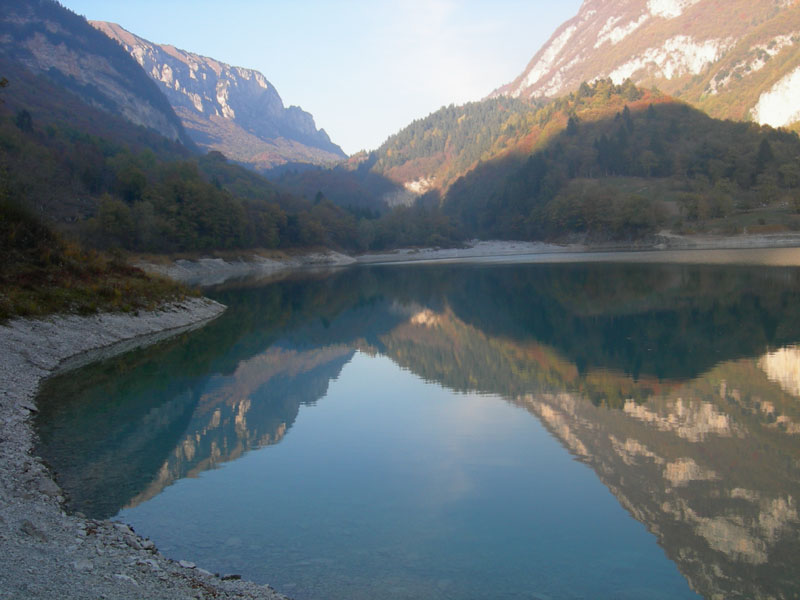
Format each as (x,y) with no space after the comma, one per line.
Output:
(47,553)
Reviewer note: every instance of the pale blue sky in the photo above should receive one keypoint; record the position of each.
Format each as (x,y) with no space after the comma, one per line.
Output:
(363,68)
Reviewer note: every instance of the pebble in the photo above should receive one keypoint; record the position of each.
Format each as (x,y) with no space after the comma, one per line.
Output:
(123,528)
(149,562)
(30,529)
(125,578)
(83,565)
(186,564)
(48,487)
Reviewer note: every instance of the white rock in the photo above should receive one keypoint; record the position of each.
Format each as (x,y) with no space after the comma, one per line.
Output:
(125,578)
(778,106)
(547,61)
(669,9)
(83,564)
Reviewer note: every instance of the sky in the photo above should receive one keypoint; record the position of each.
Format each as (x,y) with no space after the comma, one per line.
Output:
(364,68)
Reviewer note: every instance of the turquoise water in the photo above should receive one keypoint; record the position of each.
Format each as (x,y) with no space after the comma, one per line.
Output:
(503,431)
(411,492)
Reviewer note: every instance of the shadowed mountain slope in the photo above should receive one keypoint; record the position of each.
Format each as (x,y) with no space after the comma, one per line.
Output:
(52,41)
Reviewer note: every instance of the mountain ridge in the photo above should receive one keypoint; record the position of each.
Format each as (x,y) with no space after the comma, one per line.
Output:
(736,59)
(233,110)
(52,41)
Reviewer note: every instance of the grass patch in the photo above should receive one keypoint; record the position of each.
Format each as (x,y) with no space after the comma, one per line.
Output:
(42,273)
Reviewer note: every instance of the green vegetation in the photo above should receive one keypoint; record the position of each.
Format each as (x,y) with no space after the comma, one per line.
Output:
(452,140)
(448,143)
(606,163)
(43,273)
(702,170)
(351,185)
(116,185)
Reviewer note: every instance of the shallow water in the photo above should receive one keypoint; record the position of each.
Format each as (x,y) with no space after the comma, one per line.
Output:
(446,431)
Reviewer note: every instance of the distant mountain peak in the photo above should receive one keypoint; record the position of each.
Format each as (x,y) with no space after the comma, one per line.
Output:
(735,59)
(234,110)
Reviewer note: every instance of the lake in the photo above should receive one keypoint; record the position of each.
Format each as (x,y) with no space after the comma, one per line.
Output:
(457,431)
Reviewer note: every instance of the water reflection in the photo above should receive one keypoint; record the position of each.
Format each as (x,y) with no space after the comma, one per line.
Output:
(678,385)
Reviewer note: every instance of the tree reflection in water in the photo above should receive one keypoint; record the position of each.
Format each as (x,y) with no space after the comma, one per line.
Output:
(678,385)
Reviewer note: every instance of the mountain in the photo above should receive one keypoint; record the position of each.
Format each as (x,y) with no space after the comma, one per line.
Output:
(431,152)
(605,162)
(233,110)
(47,39)
(647,164)
(89,142)
(737,59)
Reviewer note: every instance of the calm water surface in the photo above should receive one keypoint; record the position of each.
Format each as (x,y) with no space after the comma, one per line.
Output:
(449,431)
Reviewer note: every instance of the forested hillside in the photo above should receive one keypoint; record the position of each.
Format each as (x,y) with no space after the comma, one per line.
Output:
(41,273)
(605,163)
(447,143)
(627,163)
(608,162)
(115,184)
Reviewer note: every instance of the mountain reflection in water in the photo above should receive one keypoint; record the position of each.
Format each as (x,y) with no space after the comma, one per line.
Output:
(678,385)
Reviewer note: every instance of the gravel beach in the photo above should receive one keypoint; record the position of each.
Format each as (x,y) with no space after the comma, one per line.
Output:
(47,553)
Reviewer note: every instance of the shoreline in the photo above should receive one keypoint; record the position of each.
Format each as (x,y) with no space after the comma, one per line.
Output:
(209,271)
(48,553)
(663,246)
(663,243)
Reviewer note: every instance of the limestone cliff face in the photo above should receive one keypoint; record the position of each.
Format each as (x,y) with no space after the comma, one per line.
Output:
(230,109)
(736,59)
(50,40)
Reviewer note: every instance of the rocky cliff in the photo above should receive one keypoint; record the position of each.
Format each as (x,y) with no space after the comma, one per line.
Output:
(230,109)
(734,58)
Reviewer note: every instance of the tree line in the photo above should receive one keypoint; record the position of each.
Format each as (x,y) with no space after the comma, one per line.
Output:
(550,172)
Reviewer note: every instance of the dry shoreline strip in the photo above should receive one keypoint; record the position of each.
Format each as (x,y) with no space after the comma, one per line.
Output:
(212,271)
(44,552)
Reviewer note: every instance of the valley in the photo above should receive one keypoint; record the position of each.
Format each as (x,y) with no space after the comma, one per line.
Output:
(586,380)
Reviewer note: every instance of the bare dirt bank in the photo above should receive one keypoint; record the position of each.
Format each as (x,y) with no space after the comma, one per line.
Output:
(45,552)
